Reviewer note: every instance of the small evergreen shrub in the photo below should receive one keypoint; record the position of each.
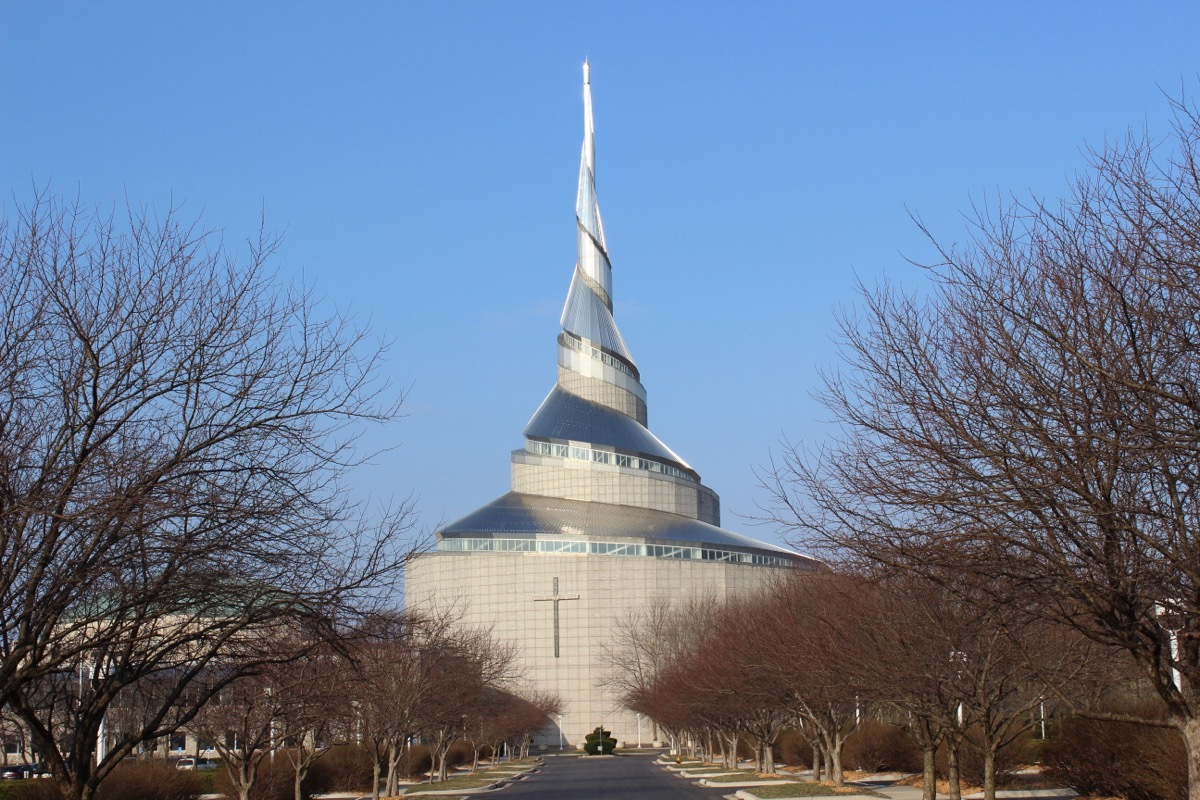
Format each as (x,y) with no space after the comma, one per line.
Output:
(599,742)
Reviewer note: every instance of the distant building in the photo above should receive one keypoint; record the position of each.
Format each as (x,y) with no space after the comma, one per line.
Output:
(603,518)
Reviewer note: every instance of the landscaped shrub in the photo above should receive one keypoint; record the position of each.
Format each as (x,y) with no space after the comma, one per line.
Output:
(1009,759)
(275,781)
(1137,762)
(34,789)
(880,747)
(793,749)
(1013,756)
(599,742)
(150,781)
(419,761)
(343,769)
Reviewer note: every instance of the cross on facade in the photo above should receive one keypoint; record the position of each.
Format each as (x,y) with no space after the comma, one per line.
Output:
(555,598)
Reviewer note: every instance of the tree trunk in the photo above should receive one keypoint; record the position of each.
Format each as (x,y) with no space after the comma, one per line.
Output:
(375,772)
(396,752)
(245,784)
(1191,743)
(443,770)
(989,771)
(816,762)
(839,775)
(827,749)
(952,775)
(929,762)
(296,784)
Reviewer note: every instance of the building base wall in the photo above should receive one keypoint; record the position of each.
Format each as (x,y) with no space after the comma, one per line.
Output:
(498,590)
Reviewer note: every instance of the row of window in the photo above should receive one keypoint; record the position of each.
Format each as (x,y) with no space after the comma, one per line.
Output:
(575,343)
(604,457)
(608,549)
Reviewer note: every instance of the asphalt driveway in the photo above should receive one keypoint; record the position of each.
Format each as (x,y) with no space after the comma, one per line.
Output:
(632,777)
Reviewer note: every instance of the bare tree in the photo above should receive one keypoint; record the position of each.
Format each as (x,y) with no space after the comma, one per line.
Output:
(314,710)
(12,737)
(649,640)
(1029,423)
(242,723)
(456,666)
(383,691)
(176,431)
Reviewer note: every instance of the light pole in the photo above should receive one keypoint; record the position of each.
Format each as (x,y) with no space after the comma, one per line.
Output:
(639,731)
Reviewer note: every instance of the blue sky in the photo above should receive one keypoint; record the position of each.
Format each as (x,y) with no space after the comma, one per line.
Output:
(752,159)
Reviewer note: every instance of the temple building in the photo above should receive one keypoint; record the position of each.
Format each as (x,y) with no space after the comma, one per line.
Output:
(603,517)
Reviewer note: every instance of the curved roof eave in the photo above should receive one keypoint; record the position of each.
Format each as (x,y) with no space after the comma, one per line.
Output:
(566,417)
(520,514)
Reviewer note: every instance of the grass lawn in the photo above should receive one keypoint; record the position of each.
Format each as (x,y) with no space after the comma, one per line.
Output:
(477,781)
(742,776)
(467,781)
(700,772)
(807,790)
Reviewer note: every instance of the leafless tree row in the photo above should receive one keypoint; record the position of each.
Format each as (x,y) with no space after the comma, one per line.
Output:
(401,679)
(818,653)
(175,431)
(1024,433)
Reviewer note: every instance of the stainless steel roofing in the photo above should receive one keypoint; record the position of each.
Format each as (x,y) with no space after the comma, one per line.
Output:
(586,316)
(527,514)
(565,417)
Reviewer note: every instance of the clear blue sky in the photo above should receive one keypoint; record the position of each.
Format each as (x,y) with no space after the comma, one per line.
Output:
(752,158)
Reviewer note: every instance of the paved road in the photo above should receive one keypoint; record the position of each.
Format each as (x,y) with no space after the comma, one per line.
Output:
(625,777)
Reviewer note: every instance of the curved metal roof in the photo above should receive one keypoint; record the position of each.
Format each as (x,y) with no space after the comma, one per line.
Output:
(529,515)
(565,417)
(586,316)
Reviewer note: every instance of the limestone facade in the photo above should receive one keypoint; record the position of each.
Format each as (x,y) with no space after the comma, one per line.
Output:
(497,590)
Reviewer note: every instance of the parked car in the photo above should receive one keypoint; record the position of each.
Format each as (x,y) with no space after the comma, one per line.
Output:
(187,762)
(20,771)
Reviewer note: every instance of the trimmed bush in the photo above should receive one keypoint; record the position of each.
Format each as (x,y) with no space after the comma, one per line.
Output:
(343,769)
(599,742)
(35,789)
(150,781)
(419,761)
(880,747)
(1137,762)
(793,749)
(1008,760)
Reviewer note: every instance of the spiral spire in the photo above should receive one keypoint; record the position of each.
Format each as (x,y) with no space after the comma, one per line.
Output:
(598,409)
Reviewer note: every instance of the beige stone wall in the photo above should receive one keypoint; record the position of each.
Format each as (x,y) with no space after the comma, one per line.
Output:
(497,590)
(575,479)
